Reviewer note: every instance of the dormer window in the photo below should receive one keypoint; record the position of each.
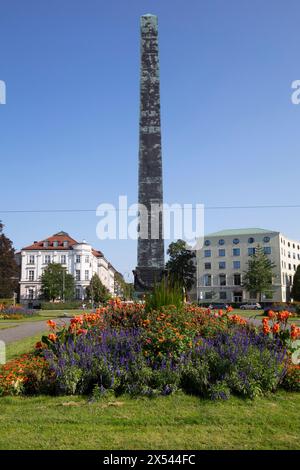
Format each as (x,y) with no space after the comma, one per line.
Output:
(66,243)
(55,243)
(46,244)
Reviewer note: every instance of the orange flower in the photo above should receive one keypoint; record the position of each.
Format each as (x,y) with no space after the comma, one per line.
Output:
(39,345)
(271,314)
(51,324)
(276,328)
(229,309)
(52,337)
(266,329)
(295,332)
(82,331)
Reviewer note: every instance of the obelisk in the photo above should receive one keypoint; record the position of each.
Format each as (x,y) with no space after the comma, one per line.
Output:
(150,252)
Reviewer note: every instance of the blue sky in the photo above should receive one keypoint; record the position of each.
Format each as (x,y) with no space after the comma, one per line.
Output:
(69,130)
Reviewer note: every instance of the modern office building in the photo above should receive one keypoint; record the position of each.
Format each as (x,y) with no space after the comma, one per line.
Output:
(79,258)
(223,261)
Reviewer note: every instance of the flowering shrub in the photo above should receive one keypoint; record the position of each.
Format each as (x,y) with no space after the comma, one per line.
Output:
(124,348)
(28,374)
(14,312)
(241,362)
(109,360)
(291,380)
(276,325)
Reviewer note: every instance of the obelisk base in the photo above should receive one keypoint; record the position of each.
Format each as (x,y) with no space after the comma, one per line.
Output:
(146,278)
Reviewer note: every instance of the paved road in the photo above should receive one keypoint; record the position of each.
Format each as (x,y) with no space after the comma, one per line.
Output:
(27,329)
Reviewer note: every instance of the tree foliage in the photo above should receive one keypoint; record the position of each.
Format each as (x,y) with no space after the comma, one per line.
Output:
(181,265)
(123,289)
(9,270)
(57,283)
(96,291)
(258,277)
(295,293)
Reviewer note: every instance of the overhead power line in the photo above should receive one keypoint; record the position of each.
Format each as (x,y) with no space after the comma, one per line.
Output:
(39,211)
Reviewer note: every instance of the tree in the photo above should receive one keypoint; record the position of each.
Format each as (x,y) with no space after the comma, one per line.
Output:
(57,283)
(96,291)
(181,266)
(9,270)
(258,277)
(295,292)
(123,289)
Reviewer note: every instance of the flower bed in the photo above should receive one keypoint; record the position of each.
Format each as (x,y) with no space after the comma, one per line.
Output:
(124,349)
(14,312)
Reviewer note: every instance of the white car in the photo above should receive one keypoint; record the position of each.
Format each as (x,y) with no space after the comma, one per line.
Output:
(255,306)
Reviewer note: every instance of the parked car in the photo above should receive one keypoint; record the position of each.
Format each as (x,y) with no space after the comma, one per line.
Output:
(218,306)
(254,306)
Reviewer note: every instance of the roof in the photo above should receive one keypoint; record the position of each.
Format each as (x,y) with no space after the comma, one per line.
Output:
(240,231)
(97,253)
(60,237)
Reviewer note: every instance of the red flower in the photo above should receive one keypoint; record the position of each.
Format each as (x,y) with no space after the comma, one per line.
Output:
(276,328)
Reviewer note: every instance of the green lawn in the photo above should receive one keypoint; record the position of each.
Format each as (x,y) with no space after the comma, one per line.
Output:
(43,315)
(175,422)
(258,315)
(23,346)
(6,326)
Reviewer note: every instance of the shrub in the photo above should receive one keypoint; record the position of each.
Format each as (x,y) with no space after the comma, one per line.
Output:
(248,363)
(76,304)
(165,293)
(291,381)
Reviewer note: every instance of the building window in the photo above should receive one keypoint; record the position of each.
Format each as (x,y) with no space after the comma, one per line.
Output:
(63,259)
(77,258)
(86,275)
(290,266)
(47,259)
(77,276)
(222,265)
(78,293)
(294,255)
(223,295)
(65,243)
(236,251)
(207,242)
(251,251)
(30,294)
(55,243)
(31,275)
(207,280)
(237,279)
(266,239)
(235,241)
(87,259)
(267,250)
(294,267)
(207,265)
(289,254)
(31,259)
(289,244)
(221,252)
(222,279)
(236,265)
(208,295)
(207,253)
(251,240)
(46,244)
(221,241)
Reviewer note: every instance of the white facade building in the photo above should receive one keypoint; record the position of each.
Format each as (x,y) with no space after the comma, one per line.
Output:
(223,260)
(80,259)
